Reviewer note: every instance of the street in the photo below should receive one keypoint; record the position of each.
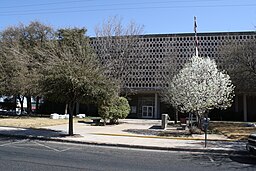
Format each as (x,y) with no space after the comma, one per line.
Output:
(25,154)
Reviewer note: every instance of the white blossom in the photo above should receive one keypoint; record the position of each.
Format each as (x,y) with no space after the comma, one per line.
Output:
(200,87)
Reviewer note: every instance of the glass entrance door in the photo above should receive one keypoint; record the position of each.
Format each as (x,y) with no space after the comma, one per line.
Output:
(147,111)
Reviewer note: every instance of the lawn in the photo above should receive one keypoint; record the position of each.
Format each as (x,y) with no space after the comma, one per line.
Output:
(233,130)
(34,122)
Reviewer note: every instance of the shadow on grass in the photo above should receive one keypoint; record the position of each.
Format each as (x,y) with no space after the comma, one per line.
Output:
(31,132)
(157,131)
(156,127)
(101,123)
(85,122)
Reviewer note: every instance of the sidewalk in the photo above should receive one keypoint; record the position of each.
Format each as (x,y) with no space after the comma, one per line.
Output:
(117,135)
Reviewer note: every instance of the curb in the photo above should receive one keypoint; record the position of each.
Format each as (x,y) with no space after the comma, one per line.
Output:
(228,151)
(165,137)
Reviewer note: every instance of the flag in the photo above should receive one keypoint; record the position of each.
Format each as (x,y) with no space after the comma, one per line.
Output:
(196,40)
(195,25)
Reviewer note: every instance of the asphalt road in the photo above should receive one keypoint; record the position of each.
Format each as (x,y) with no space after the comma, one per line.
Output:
(35,155)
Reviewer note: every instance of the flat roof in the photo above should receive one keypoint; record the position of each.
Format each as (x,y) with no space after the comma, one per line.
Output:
(200,34)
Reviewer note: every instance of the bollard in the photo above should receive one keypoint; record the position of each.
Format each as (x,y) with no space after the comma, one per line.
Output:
(164,121)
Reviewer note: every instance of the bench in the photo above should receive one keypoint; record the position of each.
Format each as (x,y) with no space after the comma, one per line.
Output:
(183,126)
(96,121)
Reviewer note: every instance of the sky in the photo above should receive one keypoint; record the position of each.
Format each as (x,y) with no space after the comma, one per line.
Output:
(157,16)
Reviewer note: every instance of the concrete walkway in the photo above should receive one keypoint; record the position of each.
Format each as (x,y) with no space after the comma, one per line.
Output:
(117,135)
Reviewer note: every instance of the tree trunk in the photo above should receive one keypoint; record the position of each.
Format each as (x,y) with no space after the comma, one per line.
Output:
(29,104)
(190,116)
(21,99)
(104,121)
(198,119)
(176,116)
(37,104)
(15,102)
(77,108)
(200,123)
(71,112)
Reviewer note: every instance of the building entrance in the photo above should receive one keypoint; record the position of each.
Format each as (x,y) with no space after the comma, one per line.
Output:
(147,112)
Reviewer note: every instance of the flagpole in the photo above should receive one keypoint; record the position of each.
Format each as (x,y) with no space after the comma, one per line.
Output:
(196,41)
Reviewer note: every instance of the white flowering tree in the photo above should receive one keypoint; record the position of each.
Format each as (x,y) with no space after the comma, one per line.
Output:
(200,87)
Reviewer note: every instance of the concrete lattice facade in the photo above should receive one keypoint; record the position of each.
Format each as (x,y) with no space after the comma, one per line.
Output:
(158,57)
(161,56)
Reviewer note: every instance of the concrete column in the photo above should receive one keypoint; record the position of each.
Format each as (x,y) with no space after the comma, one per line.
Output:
(164,121)
(245,107)
(155,112)
(236,103)
(158,108)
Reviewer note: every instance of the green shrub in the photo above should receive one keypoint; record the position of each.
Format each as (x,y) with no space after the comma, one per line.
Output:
(103,110)
(119,109)
(116,108)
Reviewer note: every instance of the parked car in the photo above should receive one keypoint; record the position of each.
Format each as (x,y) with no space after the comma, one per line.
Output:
(3,111)
(11,112)
(251,144)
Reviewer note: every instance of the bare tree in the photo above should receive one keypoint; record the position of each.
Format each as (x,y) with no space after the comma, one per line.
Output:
(117,47)
(240,61)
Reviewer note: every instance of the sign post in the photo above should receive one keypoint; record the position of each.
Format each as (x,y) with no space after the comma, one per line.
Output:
(205,126)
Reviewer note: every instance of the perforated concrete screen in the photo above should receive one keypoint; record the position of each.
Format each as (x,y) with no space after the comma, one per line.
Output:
(158,57)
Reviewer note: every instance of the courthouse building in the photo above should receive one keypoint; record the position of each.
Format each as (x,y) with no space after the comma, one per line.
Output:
(160,56)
